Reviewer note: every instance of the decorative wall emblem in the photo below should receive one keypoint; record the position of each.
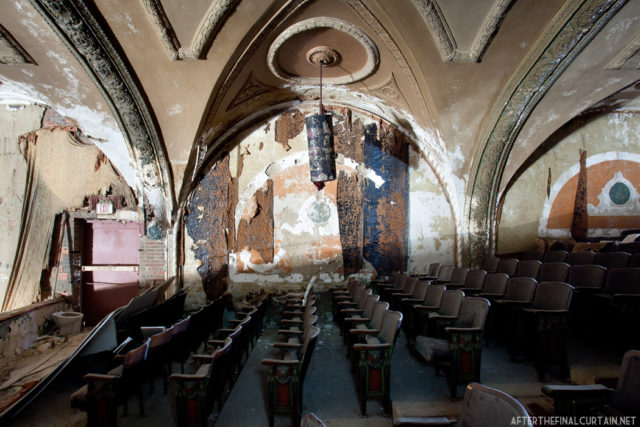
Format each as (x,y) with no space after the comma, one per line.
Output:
(215,16)
(446,43)
(308,25)
(10,50)
(577,23)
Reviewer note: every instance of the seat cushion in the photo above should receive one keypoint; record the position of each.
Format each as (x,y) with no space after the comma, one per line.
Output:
(432,348)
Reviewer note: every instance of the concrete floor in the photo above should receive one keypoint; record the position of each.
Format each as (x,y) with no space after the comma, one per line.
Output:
(330,390)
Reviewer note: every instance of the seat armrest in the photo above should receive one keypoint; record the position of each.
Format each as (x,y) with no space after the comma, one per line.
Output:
(286,345)
(294,321)
(365,347)
(292,313)
(351,310)
(442,316)
(203,357)
(289,332)
(100,377)
(454,330)
(279,362)
(577,391)
(215,342)
(356,319)
(412,299)
(186,377)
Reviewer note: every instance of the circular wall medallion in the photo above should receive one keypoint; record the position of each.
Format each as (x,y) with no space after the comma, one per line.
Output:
(619,193)
(319,212)
(350,53)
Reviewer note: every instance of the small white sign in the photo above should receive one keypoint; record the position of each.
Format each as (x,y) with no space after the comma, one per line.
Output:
(104,207)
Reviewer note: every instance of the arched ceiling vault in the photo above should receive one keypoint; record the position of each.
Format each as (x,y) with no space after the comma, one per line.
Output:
(479,84)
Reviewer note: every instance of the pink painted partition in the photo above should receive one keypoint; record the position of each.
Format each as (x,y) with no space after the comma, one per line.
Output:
(109,243)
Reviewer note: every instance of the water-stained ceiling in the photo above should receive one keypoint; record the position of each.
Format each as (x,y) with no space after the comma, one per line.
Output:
(477,85)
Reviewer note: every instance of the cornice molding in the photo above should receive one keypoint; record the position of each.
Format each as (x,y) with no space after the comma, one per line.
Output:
(216,15)
(628,58)
(79,25)
(11,52)
(371,65)
(565,37)
(442,35)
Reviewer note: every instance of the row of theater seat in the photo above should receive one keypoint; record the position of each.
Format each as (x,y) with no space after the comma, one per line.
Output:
(285,380)
(369,330)
(153,356)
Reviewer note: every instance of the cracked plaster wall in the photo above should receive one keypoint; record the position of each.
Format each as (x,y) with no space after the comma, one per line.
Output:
(304,233)
(14,121)
(612,142)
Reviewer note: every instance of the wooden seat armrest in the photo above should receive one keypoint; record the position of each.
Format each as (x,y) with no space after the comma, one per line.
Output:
(412,299)
(100,377)
(201,357)
(186,377)
(626,295)
(442,316)
(454,330)
(347,303)
(423,421)
(346,295)
(293,321)
(236,321)
(215,342)
(289,332)
(577,391)
(351,310)
(401,294)
(119,357)
(365,347)
(356,319)
(280,362)
(364,331)
(292,313)
(226,330)
(286,345)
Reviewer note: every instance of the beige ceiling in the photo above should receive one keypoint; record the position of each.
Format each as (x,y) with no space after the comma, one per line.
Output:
(444,72)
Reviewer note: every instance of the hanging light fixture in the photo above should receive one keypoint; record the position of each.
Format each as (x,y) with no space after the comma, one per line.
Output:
(322,162)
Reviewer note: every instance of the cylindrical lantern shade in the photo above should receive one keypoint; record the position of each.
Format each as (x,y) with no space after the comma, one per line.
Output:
(322,162)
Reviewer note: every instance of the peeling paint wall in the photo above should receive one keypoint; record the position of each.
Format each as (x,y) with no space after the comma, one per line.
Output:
(13,167)
(286,231)
(431,228)
(540,203)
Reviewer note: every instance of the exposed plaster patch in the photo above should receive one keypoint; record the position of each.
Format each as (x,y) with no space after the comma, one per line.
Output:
(174,110)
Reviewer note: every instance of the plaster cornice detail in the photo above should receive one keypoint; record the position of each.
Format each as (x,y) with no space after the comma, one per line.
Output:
(11,52)
(445,41)
(371,65)
(564,38)
(77,23)
(628,58)
(216,15)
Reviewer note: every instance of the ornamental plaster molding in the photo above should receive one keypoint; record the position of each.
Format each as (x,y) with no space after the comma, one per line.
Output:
(628,58)
(371,65)
(77,23)
(214,18)
(10,50)
(570,31)
(442,35)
